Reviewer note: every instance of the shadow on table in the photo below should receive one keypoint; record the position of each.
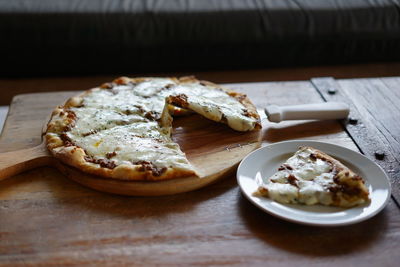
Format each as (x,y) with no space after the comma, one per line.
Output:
(310,240)
(53,193)
(276,132)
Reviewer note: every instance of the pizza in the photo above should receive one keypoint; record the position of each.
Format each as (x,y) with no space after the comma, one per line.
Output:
(312,177)
(122,130)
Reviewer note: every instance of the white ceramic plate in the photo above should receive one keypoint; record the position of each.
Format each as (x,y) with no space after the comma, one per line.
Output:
(265,161)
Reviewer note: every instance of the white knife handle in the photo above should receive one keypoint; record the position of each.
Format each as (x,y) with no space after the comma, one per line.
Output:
(320,111)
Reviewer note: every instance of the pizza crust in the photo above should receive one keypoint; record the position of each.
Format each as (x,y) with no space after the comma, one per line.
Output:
(63,119)
(74,156)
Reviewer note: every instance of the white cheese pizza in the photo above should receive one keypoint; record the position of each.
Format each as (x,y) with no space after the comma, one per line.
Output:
(122,130)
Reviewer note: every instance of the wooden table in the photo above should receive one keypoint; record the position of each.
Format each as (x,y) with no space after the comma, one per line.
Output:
(48,220)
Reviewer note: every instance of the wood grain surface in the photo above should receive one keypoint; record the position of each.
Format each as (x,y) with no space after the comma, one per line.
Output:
(49,220)
(375,113)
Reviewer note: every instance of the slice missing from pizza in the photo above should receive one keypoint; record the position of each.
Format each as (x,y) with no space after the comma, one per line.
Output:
(122,130)
(312,177)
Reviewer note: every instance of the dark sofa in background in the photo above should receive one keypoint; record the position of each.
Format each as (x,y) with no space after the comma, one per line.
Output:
(79,37)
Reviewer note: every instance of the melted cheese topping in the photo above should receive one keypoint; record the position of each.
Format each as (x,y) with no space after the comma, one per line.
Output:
(140,141)
(91,120)
(124,120)
(306,181)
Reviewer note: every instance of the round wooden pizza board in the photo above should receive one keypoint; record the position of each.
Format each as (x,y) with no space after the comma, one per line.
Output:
(213,149)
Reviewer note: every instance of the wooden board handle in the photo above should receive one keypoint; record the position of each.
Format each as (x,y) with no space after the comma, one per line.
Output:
(15,162)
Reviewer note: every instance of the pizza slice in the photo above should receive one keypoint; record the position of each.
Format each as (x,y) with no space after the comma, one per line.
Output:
(312,177)
(215,103)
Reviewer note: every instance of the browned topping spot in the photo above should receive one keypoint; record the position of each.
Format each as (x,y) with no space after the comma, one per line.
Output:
(67,141)
(314,156)
(263,191)
(285,166)
(292,180)
(122,81)
(246,113)
(241,97)
(107,85)
(64,137)
(89,133)
(71,115)
(151,115)
(68,127)
(336,179)
(141,109)
(105,163)
(288,167)
(345,190)
(109,155)
(334,189)
(148,166)
(127,112)
(168,86)
(179,100)
(357,178)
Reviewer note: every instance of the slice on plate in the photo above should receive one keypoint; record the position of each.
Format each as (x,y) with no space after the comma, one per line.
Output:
(312,177)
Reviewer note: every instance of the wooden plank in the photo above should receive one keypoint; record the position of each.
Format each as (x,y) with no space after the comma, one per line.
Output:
(66,224)
(375,105)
